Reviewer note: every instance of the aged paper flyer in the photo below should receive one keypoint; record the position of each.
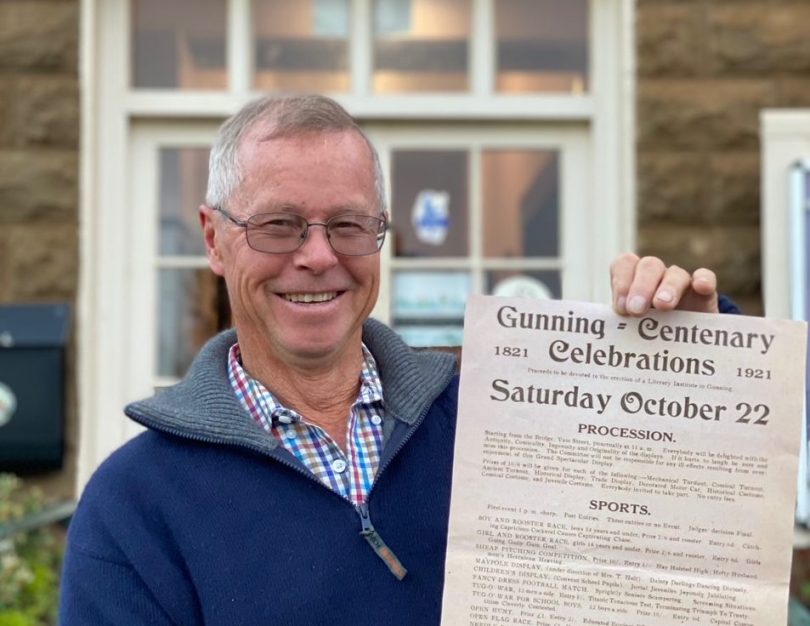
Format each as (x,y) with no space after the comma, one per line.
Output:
(614,471)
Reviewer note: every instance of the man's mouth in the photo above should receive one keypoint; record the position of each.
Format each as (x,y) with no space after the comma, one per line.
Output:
(307,298)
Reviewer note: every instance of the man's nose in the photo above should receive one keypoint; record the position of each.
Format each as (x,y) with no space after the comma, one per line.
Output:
(316,253)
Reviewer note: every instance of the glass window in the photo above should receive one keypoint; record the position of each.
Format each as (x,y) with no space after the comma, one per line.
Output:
(428,307)
(524,284)
(183,176)
(179,44)
(192,307)
(542,45)
(421,45)
(429,203)
(521,197)
(301,45)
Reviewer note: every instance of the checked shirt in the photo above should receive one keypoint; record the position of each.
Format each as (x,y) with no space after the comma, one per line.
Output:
(351,474)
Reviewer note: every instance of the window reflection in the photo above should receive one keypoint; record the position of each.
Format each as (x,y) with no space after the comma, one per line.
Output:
(521,203)
(301,45)
(524,283)
(542,45)
(428,307)
(421,45)
(192,308)
(429,203)
(179,44)
(183,177)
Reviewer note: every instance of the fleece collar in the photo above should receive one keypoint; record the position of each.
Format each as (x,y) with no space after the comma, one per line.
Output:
(203,406)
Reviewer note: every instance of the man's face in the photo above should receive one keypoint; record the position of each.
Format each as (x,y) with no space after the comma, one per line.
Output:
(317,176)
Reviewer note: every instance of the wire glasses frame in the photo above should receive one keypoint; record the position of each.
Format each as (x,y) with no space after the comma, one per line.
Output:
(282,233)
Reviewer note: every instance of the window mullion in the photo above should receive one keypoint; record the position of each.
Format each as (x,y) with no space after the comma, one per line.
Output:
(482,47)
(240,46)
(476,212)
(360,46)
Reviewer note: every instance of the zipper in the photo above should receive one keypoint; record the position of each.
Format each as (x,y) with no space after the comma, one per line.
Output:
(377,544)
(367,530)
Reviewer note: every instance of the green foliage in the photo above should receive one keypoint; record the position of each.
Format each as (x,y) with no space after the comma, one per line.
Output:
(29,561)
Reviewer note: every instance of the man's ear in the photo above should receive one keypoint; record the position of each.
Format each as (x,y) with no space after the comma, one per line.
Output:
(211,239)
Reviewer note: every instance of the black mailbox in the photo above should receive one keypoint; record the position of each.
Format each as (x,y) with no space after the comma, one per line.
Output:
(32,386)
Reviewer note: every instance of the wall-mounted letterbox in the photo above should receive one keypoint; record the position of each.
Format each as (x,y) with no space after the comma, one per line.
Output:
(32,386)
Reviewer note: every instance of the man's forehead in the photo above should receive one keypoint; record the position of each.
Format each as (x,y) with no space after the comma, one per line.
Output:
(265,141)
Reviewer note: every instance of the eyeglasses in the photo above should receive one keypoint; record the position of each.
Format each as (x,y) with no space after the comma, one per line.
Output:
(281,233)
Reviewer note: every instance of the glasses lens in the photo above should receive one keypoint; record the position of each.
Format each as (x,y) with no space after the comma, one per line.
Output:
(356,235)
(352,235)
(275,232)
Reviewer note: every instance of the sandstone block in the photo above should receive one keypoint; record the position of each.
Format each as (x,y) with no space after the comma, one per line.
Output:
(640,4)
(710,114)
(4,295)
(793,92)
(6,105)
(38,184)
(690,188)
(39,35)
(43,261)
(733,252)
(760,39)
(672,187)
(734,188)
(670,40)
(45,111)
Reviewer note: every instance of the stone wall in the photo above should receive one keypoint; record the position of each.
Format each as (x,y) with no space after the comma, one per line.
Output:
(705,69)
(39,169)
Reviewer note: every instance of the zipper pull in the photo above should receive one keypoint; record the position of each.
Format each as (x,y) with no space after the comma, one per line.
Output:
(376,542)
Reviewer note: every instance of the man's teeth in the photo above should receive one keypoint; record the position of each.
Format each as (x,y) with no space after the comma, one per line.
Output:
(311,297)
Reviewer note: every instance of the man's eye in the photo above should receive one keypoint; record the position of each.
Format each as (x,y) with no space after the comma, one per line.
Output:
(279,225)
(347,227)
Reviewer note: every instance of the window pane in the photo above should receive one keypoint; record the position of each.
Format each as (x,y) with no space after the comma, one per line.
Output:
(421,45)
(428,307)
(524,284)
(179,44)
(183,176)
(192,307)
(429,203)
(301,45)
(521,203)
(542,45)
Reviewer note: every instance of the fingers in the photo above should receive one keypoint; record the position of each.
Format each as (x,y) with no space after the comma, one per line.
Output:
(635,281)
(675,283)
(704,282)
(622,271)
(703,296)
(643,283)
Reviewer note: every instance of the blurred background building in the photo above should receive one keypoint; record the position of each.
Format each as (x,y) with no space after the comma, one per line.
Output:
(525,143)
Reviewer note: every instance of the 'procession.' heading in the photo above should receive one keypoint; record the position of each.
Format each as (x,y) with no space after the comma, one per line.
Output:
(648,328)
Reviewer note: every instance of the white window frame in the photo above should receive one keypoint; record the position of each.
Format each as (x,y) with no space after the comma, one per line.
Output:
(785,140)
(577,236)
(111,110)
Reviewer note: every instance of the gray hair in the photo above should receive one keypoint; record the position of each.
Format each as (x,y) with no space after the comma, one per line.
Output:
(285,116)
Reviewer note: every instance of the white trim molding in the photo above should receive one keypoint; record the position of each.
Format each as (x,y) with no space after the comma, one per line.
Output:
(785,136)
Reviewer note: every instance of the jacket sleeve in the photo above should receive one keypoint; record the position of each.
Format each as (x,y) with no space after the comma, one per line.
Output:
(99,592)
(122,563)
(727,305)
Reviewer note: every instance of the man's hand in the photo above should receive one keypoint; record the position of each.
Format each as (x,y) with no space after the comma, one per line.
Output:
(641,283)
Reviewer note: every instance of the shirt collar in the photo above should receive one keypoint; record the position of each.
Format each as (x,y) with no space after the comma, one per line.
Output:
(264,407)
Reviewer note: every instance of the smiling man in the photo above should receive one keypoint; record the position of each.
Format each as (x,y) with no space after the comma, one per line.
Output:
(300,473)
